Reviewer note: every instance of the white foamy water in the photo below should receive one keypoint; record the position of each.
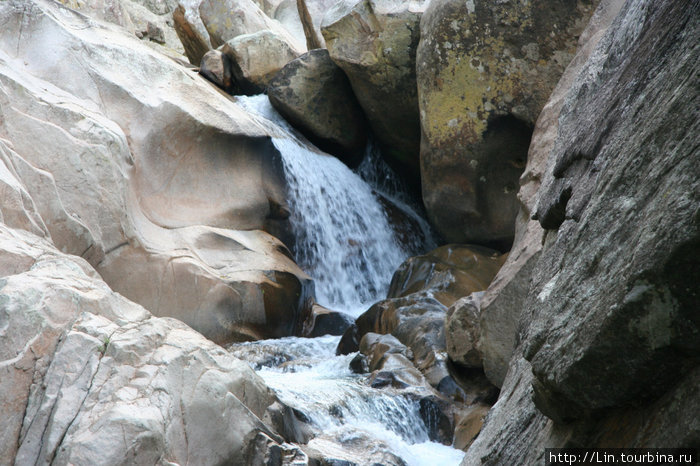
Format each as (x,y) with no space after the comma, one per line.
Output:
(306,374)
(344,240)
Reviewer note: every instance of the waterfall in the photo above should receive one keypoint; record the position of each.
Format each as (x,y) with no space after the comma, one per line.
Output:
(344,239)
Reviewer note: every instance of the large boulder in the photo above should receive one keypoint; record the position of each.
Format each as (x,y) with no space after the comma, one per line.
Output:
(484,72)
(88,377)
(374,42)
(315,96)
(637,277)
(255,59)
(227,19)
(609,349)
(150,20)
(159,181)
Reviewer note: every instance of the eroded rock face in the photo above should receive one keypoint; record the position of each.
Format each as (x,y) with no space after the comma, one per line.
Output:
(155,178)
(90,377)
(484,71)
(462,330)
(374,42)
(315,96)
(643,296)
(609,329)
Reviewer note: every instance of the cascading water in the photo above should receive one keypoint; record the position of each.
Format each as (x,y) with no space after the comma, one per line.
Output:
(345,241)
(343,235)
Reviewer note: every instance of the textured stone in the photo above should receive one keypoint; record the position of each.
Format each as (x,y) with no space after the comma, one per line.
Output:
(227,19)
(449,272)
(462,331)
(113,167)
(610,326)
(623,292)
(484,72)
(89,377)
(315,96)
(256,58)
(217,69)
(374,42)
(505,297)
(420,292)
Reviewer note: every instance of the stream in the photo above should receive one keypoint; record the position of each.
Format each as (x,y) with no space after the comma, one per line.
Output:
(345,241)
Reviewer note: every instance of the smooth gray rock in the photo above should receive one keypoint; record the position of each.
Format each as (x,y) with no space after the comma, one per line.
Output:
(157,179)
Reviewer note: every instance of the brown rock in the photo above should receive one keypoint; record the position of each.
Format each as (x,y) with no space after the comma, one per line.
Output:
(468,424)
(374,42)
(315,96)
(462,331)
(195,45)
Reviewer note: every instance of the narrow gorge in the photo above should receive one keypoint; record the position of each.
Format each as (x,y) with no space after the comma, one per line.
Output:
(348,232)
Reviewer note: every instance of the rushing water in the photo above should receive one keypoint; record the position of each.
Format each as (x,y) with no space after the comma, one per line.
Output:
(345,241)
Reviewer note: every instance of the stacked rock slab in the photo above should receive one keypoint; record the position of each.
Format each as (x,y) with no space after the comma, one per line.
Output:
(158,180)
(254,59)
(315,96)
(609,331)
(484,71)
(374,42)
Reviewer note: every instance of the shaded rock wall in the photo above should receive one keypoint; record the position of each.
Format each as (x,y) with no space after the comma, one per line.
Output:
(607,346)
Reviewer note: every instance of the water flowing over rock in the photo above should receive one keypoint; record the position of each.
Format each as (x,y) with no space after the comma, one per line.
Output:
(374,42)
(151,175)
(484,72)
(342,230)
(609,345)
(421,290)
(315,96)
(89,377)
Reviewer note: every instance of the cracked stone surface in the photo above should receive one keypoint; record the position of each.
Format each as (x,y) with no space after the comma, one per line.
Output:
(89,377)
